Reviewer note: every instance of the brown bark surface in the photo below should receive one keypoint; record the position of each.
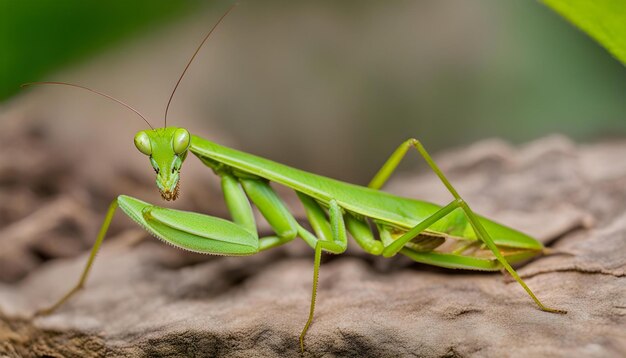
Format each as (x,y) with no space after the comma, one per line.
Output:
(145,298)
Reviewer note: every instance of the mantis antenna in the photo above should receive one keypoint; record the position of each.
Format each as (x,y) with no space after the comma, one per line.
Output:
(194,56)
(90,90)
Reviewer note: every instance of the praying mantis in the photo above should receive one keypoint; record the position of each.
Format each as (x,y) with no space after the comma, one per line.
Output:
(449,236)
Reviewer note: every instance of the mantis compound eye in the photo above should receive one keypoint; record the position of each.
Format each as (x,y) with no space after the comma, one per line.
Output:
(142,142)
(180,140)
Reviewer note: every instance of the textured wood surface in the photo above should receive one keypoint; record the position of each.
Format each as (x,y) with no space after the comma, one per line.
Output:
(148,299)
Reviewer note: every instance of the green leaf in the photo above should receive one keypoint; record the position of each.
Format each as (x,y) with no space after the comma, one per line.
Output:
(603,20)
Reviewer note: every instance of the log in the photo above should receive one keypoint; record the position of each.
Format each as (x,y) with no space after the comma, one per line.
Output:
(145,298)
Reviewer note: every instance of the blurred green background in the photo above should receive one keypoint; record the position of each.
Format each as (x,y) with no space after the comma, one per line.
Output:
(38,37)
(335,86)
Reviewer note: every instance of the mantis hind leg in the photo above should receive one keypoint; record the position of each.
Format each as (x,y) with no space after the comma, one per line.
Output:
(96,247)
(389,167)
(483,235)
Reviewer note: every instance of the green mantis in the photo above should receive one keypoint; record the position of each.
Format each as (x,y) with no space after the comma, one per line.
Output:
(450,236)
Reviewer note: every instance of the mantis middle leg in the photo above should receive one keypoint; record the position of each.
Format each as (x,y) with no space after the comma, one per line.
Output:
(331,236)
(92,256)
(388,168)
(339,243)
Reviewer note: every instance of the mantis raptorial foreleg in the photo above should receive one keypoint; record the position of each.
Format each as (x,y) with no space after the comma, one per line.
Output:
(273,210)
(237,202)
(268,203)
(337,246)
(388,168)
(203,233)
(188,230)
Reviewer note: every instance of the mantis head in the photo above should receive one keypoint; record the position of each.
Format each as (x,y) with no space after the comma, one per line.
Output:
(167,149)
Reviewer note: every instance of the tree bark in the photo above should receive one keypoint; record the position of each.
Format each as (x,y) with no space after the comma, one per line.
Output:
(145,298)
